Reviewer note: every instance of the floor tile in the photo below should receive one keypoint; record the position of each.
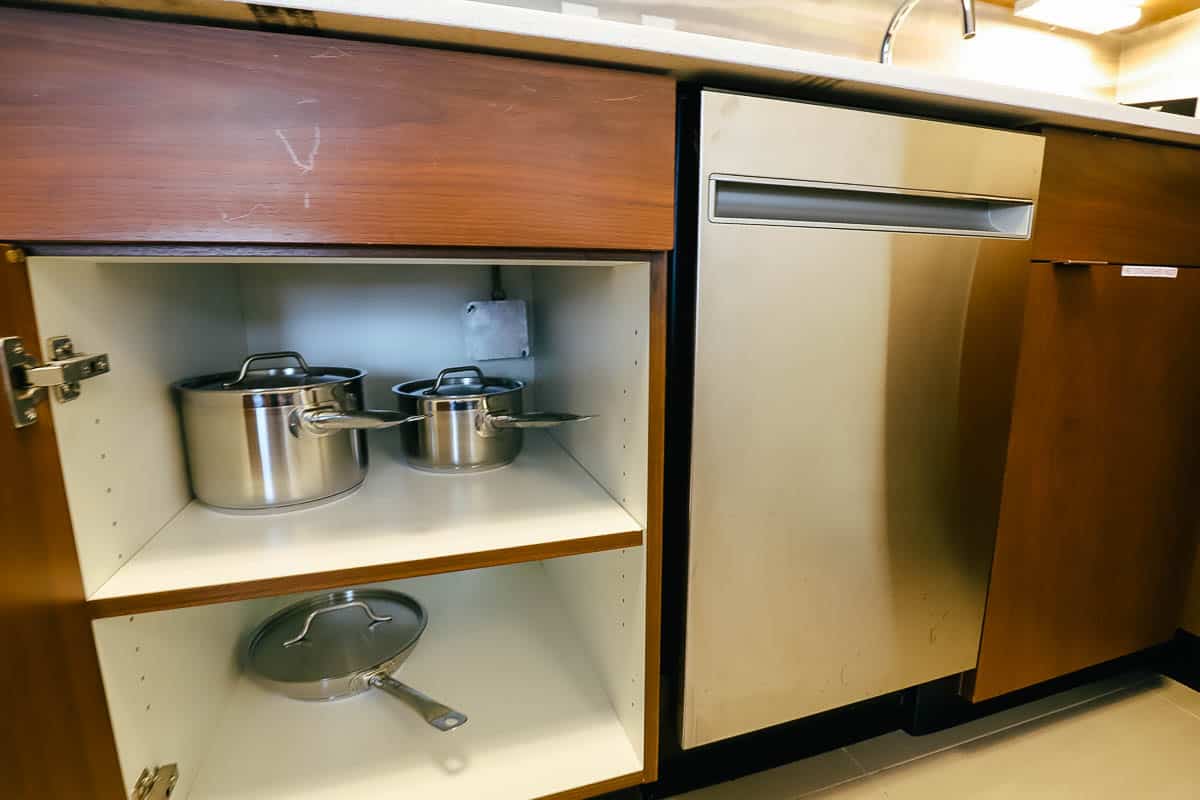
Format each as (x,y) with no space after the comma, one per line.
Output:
(1182,696)
(898,747)
(787,782)
(1131,744)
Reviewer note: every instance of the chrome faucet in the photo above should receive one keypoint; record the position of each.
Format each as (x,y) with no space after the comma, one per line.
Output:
(885,50)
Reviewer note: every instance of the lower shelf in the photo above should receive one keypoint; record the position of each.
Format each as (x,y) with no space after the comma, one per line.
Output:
(499,648)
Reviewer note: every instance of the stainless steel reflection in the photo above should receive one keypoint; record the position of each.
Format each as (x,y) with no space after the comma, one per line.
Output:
(278,437)
(471,422)
(323,649)
(841,531)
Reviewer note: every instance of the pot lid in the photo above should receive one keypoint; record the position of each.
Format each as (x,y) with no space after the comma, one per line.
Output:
(335,635)
(472,385)
(267,379)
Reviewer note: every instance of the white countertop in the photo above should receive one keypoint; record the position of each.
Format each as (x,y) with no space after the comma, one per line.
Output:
(703,58)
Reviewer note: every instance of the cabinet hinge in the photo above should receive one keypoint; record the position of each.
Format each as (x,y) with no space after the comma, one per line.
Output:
(156,783)
(26,380)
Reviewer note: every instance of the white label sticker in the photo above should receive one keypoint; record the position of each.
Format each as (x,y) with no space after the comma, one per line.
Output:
(1149,272)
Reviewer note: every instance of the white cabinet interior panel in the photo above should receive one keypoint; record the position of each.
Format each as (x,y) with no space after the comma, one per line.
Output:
(592,341)
(168,677)
(498,647)
(399,322)
(120,442)
(399,514)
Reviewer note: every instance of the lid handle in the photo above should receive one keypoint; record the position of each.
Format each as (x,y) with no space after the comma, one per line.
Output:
(375,618)
(265,357)
(441,376)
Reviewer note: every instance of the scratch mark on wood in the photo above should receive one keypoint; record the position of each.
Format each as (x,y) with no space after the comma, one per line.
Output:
(621,99)
(529,89)
(933,630)
(306,166)
(305,100)
(265,206)
(508,108)
(307,204)
(331,52)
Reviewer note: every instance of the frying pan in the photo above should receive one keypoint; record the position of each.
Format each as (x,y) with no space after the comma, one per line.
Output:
(342,644)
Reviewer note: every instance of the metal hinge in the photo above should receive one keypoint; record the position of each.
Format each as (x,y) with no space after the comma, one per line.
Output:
(156,783)
(26,381)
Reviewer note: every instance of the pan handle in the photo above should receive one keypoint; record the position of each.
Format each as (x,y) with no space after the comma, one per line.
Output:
(327,420)
(375,618)
(439,716)
(488,425)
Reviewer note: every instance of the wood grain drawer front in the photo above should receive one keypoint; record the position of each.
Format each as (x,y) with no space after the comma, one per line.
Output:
(1098,518)
(123,130)
(1107,199)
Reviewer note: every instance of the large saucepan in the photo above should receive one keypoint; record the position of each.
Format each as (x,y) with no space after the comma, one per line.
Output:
(276,437)
(341,644)
(469,421)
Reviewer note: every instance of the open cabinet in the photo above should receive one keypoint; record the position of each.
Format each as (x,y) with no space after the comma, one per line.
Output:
(540,578)
(177,196)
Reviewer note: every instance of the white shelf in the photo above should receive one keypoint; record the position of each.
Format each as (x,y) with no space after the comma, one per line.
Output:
(500,649)
(399,515)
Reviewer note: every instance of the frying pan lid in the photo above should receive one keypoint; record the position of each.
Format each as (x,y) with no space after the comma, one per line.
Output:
(347,633)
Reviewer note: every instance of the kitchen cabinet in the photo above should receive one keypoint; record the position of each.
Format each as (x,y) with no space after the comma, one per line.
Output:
(121,130)
(1097,528)
(1098,518)
(1115,200)
(129,599)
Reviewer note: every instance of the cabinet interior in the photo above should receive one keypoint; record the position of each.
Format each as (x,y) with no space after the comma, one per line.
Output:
(542,655)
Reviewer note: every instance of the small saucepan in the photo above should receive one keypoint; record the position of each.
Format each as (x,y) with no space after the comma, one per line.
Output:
(342,644)
(469,421)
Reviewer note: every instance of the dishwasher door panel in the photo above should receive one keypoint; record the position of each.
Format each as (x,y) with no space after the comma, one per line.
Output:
(852,396)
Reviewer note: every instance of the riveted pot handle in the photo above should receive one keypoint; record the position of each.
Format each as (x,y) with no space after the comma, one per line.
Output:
(328,420)
(442,717)
(488,425)
(308,621)
(441,376)
(267,357)
(531,419)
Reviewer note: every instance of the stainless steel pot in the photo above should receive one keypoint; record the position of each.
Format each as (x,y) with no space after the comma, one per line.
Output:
(277,437)
(469,422)
(341,644)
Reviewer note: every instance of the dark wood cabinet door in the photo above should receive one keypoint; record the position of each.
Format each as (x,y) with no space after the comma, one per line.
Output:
(119,130)
(1099,513)
(56,737)
(1106,199)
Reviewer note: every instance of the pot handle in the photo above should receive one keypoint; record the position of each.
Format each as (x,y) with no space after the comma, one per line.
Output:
(266,357)
(327,420)
(442,717)
(529,419)
(441,376)
(308,621)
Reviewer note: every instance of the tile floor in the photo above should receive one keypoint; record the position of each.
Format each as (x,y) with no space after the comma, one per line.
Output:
(1137,736)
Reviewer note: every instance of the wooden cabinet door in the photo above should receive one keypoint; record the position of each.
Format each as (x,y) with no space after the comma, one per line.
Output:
(57,739)
(1106,199)
(119,130)
(1099,512)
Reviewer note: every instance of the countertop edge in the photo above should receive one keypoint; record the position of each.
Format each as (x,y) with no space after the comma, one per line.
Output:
(694,56)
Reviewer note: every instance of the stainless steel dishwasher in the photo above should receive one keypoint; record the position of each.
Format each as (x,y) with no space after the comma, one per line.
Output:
(859,287)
